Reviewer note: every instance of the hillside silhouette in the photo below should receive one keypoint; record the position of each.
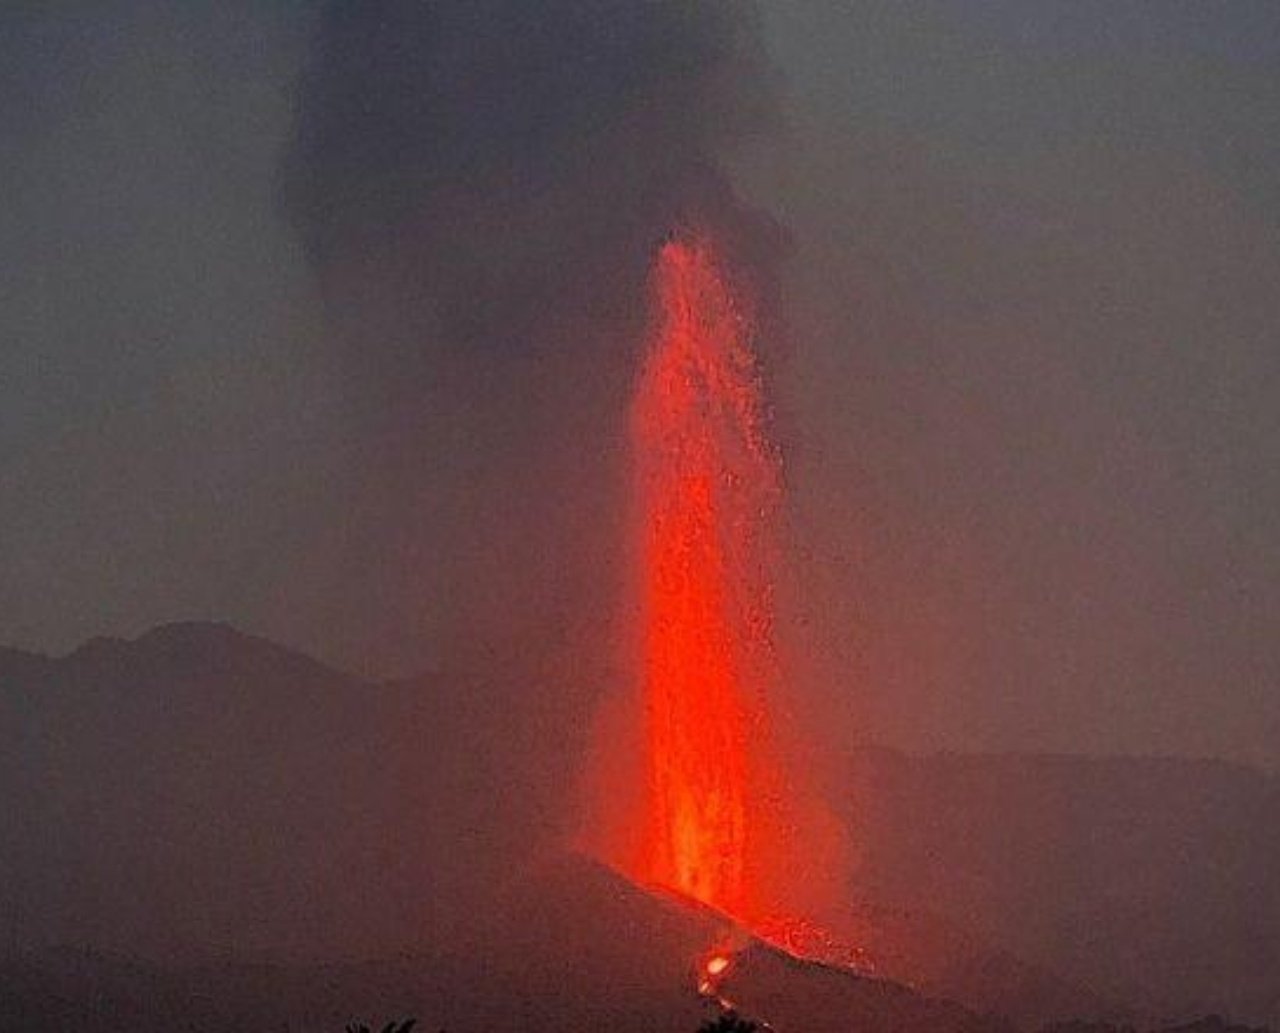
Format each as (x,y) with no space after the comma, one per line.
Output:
(217,823)
(1150,880)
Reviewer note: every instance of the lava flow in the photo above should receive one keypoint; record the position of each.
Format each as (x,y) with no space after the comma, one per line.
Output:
(706,491)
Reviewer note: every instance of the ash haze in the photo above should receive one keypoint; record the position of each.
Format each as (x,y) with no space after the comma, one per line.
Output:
(287,346)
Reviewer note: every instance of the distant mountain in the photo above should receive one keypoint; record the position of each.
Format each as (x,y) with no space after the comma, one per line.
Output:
(940,958)
(1154,881)
(199,792)
(198,795)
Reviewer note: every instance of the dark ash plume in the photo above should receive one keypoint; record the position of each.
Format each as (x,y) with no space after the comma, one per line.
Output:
(481,187)
(500,160)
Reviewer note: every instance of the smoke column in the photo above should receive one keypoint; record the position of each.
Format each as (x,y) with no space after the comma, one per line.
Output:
(707,487)
(481,189)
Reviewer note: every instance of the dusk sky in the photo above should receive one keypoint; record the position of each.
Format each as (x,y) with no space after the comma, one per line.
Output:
(1029,393)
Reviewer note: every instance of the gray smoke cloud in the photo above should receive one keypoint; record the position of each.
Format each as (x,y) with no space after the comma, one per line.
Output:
(513,160)
(480,189)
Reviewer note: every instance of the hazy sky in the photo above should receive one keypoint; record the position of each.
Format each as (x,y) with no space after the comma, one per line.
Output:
(1031,393)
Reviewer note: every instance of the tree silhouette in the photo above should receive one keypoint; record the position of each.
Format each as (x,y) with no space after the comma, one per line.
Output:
(729,1022)
(390,1027)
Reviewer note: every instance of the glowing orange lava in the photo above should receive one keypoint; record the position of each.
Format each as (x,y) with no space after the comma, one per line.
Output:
(707,487)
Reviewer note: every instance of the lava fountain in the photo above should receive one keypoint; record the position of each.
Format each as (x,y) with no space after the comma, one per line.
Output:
(706,492)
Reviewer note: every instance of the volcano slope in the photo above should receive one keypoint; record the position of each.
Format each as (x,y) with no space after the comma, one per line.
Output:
(581,950)
(1151,880)
(230,827)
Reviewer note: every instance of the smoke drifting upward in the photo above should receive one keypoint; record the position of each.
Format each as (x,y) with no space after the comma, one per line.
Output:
(480,188)
(515,159)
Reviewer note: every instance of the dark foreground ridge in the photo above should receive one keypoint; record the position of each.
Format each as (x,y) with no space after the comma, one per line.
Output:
(231,828)
(584,950)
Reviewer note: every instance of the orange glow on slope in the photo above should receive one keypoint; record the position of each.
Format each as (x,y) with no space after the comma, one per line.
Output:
(707,487)
(713,968)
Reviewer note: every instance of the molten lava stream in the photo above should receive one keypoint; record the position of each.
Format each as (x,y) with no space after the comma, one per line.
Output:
(707,486)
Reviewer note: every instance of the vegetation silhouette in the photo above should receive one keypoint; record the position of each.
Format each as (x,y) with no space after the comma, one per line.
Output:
(390,1027)
(729,1022)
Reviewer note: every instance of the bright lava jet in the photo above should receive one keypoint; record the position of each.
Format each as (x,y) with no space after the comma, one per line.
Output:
(706,491)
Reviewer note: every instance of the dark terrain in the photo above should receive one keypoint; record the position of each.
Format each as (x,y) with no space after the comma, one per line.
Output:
(207,831)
